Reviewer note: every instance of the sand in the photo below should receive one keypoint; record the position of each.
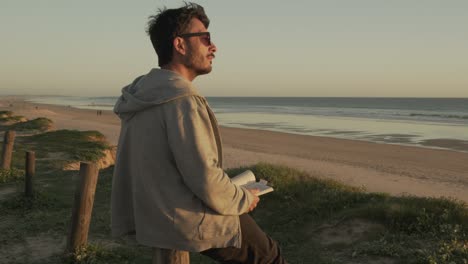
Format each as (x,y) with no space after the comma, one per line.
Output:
(394,169)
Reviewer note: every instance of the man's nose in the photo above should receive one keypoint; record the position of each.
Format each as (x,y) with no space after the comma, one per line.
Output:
(213,47)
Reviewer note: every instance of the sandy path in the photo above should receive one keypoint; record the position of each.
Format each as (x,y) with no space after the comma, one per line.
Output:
(377,167)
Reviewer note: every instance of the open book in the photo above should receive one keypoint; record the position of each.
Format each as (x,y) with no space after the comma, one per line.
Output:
(247,180)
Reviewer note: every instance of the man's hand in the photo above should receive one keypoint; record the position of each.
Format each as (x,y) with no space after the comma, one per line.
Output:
(256,199)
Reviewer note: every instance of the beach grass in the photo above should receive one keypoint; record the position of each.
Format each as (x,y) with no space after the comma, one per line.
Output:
(8,118)
(38,124)
(4,114)
(314,220)
(55,149)
(19,123)
(72,145)
(11,175)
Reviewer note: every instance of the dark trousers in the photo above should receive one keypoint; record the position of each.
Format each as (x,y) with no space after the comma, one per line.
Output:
(257,247)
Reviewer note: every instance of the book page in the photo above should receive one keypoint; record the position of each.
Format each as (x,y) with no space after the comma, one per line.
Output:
(262,187)
(247,180)
(243,178)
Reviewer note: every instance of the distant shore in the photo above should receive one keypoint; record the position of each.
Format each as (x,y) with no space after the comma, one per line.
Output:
(394,169)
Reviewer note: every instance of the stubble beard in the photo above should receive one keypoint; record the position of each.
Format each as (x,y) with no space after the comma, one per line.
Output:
(195,62)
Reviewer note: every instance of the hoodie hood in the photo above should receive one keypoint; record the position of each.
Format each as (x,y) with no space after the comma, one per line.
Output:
(157,87)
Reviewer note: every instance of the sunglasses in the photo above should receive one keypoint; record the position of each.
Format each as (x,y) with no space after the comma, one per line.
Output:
(206,36)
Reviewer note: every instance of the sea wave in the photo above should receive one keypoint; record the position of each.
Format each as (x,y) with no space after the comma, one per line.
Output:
(106,105)
(451,116)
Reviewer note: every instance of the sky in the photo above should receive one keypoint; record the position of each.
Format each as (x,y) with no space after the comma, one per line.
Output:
(326,48)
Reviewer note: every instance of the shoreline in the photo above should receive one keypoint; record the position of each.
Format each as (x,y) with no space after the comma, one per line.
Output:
(384,137)
(378,167)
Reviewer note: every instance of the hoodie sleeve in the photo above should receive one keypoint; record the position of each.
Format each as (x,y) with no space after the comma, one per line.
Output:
(193,145)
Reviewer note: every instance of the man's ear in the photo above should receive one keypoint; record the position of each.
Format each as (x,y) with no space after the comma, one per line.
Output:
(180,45)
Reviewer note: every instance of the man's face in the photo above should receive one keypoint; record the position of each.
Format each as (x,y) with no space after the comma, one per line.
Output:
(200,51)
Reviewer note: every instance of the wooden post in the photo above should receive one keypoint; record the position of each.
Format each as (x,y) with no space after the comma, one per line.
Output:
(30,171)
(8,141)
(170,256)
(83,207)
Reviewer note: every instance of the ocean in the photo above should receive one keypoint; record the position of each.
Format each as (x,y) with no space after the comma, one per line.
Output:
(425,122)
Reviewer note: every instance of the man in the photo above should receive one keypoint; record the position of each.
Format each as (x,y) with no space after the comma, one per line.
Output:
(169,188)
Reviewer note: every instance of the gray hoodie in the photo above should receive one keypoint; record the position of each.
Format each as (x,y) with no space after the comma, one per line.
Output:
(169,187)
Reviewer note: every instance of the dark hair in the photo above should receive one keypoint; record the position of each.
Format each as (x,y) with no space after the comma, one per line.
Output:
(168,23)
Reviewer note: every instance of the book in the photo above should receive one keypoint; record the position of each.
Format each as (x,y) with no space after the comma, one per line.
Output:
(247,179)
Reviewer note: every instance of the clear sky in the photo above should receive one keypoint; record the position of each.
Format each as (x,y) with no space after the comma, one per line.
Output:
(397,48)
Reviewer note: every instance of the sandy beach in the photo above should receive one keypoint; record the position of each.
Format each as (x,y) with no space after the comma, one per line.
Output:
(393,169)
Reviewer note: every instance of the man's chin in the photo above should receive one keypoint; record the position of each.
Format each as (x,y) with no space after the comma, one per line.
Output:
(204,71)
